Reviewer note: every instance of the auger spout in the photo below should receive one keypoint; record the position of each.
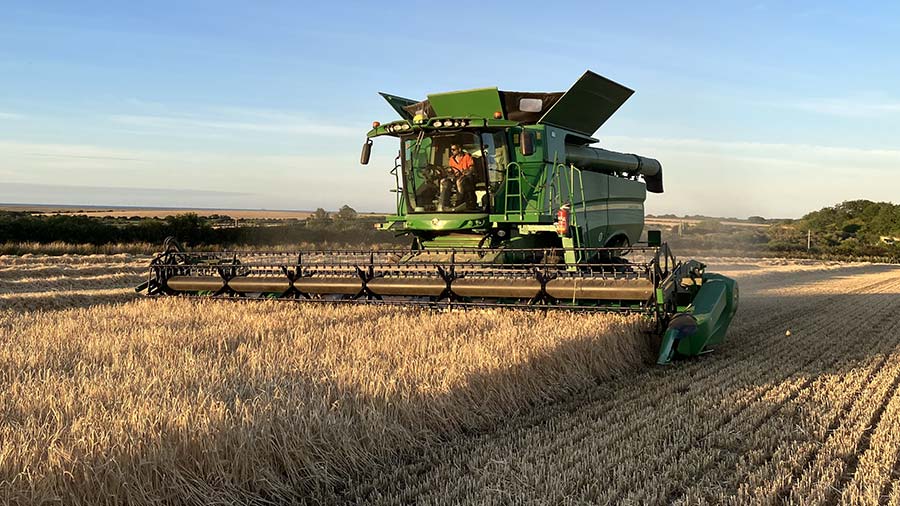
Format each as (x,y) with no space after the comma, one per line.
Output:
(599,159)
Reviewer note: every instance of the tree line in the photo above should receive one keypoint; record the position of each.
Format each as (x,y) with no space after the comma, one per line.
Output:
(344,226)
(856,228)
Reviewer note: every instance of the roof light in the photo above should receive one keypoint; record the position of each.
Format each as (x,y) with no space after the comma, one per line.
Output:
(437,124)
(375,124)
(498,115)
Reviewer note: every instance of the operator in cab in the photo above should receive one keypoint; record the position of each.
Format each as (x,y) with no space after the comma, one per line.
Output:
(461,176)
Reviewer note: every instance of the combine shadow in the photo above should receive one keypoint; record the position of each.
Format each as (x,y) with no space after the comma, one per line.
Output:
(244,456)
(58,301)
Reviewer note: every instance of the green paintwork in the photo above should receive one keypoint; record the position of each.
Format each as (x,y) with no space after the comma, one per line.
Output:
(667,347)
(452,240)
(713,307)
(479,103)
(440,222)
(428,125)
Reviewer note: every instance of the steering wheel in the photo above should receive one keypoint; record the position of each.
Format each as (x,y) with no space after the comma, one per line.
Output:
(432,172)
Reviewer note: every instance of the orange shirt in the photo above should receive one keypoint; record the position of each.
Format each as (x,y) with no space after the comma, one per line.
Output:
(462,162)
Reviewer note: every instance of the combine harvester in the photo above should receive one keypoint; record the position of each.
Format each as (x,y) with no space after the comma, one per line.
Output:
(507,205)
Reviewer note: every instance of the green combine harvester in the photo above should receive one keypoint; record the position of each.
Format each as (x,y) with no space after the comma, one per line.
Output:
(506,204)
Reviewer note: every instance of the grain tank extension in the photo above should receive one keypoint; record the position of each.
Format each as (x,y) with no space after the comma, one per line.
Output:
(507,203)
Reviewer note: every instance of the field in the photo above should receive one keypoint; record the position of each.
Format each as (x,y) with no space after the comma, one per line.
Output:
(161,212)
(656,222)
(108,399)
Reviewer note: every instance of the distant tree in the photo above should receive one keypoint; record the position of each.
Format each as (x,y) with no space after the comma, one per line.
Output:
(320,215)
(863,220)
(347,213)
(189,228)
(707,226)
(756,219)
(852,227)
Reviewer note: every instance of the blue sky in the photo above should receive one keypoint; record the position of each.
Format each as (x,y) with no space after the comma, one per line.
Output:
(762,108)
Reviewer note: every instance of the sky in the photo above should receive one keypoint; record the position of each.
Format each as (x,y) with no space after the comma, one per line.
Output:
(771,108)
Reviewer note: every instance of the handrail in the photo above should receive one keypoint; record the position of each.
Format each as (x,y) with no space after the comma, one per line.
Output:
(399,189)
(583,199)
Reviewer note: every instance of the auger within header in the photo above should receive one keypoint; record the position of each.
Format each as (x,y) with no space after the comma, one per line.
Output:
(506,203)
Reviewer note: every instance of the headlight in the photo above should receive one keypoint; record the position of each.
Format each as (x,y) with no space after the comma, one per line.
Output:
(405,126)
(437,123)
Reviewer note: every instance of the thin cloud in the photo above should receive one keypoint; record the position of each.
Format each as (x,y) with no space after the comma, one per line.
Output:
(64,194)
(10,115)
(735,178)
(270,123)
(83,157)
(757,178)
(116,189)
(12,150)
(767,151)
(845,107)
(270,178)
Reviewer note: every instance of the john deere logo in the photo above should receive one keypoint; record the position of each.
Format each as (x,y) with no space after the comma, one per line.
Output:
(435,222)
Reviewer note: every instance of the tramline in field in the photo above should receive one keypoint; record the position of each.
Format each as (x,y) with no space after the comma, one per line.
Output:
(507,205)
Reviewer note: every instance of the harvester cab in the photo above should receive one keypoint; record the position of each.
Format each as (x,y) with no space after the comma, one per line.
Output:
(507,204)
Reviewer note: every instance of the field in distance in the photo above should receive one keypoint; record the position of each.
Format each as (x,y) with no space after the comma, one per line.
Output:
(162,212)
(264,402)
(267,214)
(652,221)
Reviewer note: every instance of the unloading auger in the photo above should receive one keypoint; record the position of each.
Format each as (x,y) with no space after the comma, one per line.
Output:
(507,205)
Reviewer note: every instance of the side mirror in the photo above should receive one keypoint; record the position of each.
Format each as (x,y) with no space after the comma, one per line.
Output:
(526,143)
(366,152)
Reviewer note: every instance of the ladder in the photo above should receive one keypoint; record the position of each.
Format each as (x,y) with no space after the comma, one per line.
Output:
(513,197)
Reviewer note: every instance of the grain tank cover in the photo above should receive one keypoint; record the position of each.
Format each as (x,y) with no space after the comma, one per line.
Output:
(480,103)
(582,109)
(522,106)
(477,103)
(587,105)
